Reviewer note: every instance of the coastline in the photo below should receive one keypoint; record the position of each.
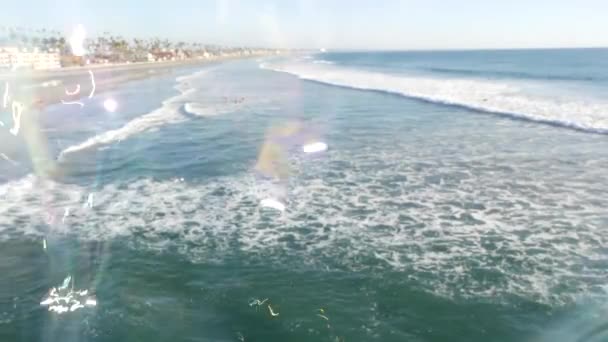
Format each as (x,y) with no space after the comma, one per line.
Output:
(41,88)
(37,90)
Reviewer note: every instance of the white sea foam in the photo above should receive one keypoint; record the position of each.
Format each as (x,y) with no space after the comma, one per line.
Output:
(200,109)
(314,147)
(322,61)
(272,203)
(193,76)
(488,96)
(159,117)
(482,229)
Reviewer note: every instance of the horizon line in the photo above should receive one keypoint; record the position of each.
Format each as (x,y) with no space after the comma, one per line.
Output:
(453,49)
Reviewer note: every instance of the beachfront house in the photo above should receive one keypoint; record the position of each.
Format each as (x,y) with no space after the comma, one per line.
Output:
(71,60)
(157,56)
(99,58)
(12,57)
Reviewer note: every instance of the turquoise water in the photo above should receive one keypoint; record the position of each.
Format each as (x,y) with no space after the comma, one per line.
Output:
(432,216)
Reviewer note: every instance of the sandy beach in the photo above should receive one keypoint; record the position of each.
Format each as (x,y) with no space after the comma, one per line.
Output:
(38,89)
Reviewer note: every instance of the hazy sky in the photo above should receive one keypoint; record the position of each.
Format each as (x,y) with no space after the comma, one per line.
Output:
(354,24)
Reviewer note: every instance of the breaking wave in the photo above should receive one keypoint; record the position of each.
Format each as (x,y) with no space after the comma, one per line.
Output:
(481,95)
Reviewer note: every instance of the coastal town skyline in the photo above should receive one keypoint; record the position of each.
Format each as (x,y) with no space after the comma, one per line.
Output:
(24,47)
(53,37)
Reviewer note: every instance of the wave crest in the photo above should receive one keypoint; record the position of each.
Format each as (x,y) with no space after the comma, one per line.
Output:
(168,113)
(480,95)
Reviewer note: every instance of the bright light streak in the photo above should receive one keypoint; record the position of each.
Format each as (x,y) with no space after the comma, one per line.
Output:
(47,301)
(66,213)
(66,283)
(76,306)
(73,103)
(272,203)
(110,105)
(76,41)
(5,98)
(257,302)
(44,244)
(5,157)
(314,147)
(89,201)
(17,111)
(272,312)
(92,83)
(64,298)
(76,91)
(59,309)
(49,218)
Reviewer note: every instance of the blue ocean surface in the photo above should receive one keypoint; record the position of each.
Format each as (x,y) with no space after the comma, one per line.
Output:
(563,87)
(461,197)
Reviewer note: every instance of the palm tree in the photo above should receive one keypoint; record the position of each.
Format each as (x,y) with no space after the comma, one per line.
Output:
(113,43)
(155,44)
(61,44)
(167,44)
(100,44)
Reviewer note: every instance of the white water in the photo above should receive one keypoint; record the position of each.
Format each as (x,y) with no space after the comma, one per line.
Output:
(322,61)
(201,109)
(168,113)
(446,223)
(488,96)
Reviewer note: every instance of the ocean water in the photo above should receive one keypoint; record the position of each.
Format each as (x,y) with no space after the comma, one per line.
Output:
(461,198)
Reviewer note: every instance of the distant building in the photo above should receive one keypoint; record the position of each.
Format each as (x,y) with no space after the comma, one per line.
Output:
(99,58)
(139,57)
(160,56)
(71,60)
(15,58)
(181,54)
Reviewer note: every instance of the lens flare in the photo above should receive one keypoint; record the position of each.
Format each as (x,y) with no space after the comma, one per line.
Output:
(6,96)
(73,103)
(92,84)
(17,108)
(74,92)
(272,203)
(76,41)
(314,147)
(65,299)
(110,105)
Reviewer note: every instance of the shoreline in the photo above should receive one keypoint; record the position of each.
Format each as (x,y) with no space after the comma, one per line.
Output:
(118,66)
(39,89)
(27,90)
